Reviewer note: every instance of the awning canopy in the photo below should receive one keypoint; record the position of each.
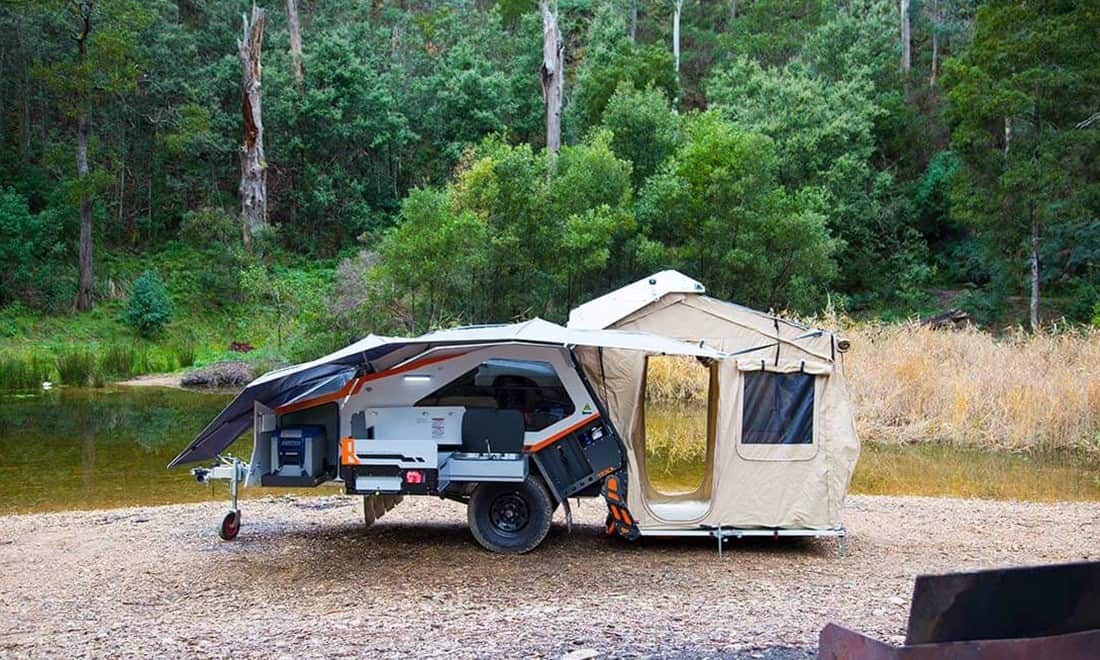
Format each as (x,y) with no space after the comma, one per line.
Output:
(280,386)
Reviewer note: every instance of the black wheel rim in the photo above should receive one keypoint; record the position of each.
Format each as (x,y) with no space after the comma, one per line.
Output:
(509,514)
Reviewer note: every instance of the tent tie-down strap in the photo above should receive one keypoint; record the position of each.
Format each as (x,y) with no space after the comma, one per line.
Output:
(777,341)
(603,373)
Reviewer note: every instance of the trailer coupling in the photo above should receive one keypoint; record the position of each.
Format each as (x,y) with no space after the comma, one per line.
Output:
(235,471)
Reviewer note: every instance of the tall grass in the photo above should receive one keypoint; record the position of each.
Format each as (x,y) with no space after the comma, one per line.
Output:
(1017,392)
(23,372)
(75,366)
(675,378)
(117,361)
(185,355)
(912,384)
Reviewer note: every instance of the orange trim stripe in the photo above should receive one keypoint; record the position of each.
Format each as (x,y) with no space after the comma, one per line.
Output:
(356,384)
(561,434)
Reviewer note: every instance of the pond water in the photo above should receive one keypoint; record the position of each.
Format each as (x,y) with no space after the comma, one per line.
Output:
(102,448)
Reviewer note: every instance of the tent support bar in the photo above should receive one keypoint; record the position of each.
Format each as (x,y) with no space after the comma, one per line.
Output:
(723,533)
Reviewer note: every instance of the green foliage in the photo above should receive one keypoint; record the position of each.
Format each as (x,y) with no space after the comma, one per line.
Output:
(719,212)
(30,247)
(213,237)
(824,136)
(433,255)
(931,198)
(642,66)
(1018,95)
(408,187)
(149,308)
(295,297)
(643,126)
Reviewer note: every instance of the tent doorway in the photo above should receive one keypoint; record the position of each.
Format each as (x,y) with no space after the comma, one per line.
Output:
(678,436)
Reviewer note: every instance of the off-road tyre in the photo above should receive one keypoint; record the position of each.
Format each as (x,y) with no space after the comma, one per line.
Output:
(510,518)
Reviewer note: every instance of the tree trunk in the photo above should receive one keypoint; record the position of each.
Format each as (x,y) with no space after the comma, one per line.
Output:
(1034,306)
(253,187)
(84,259)
(295,41)
(733,11)
(84,286)
(935,43)
(633,20)
(906,48)
(553,78)
(676,36)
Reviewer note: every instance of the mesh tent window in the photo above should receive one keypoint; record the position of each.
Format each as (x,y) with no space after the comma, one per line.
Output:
(778,409)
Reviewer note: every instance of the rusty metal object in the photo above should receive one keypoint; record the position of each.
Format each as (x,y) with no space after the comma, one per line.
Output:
(1009,614)
(1031,601)
(837,643)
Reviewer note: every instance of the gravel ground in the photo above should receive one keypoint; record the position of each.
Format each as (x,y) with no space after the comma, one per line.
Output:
(306,579)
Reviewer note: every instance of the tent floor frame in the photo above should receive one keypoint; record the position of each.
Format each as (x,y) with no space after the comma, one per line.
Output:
(721,534)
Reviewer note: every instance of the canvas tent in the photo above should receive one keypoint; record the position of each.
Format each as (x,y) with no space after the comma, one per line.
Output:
(781,440)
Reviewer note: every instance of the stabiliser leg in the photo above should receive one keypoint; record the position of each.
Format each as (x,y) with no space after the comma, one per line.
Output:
(233,470)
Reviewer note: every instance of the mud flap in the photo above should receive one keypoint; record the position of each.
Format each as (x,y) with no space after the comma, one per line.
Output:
(376,506)
(619,520)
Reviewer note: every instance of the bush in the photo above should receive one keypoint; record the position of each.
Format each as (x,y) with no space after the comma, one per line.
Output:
(149,308)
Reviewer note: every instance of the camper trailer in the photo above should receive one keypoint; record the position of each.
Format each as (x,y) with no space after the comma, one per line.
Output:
(501,418)
(513,420)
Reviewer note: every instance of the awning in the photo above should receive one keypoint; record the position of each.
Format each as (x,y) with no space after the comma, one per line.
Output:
(280,386)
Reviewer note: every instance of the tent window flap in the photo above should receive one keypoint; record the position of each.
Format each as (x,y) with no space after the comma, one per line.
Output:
(778,409)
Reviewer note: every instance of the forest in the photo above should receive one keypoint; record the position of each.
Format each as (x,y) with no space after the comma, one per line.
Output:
(296,173)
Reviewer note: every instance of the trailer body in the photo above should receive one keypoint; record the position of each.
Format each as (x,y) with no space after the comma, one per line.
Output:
(501,418)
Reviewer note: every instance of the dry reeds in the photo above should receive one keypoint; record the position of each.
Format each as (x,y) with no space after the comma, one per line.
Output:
(1021,391)
(912,384)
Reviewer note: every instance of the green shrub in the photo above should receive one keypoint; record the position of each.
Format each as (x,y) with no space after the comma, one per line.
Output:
(149,308)
(75,366)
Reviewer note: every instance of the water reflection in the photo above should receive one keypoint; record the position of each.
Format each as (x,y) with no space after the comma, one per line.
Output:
(83,449)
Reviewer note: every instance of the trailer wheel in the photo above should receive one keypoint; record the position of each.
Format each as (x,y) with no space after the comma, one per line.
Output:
(231,525)
(510,518)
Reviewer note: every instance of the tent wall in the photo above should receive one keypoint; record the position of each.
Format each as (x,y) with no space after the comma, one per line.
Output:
(786,486)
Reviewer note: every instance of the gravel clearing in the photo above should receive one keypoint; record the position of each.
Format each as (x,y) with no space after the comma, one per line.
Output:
(306,579)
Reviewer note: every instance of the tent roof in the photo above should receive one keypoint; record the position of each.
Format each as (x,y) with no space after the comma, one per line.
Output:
(620,303)
(278,387)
